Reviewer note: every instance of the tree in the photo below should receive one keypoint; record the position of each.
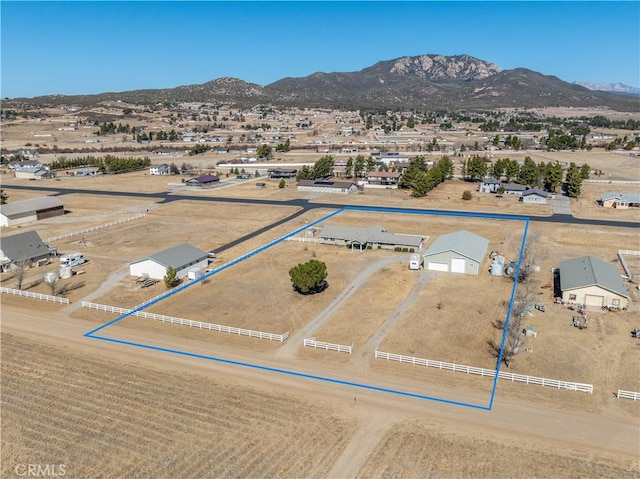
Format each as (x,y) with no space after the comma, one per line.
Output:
(19,269)
(417,167)
(309,277)
(323,167)
(358,167)
(53,282)
(466,195)
(528,174)
(171,277)
(348,170)
(585,171)
(3,197)
(573,181)
(264,151)
(552,176)
(476,168)
(512,168)
(282,184)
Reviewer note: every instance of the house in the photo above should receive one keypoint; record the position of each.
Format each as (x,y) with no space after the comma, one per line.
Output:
(27,211)
(387,179)
(87,171)
(374,237)
(26,247)
(514,189)
(30,173)
(24,165)
(202,181)
(534,195)
(182,258)
(620,200)
(327,186)
(282,173)
(458,252)
(592,283)
(489,186)
(163,169)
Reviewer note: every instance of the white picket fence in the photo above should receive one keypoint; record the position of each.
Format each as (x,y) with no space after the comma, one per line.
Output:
(311,342)
(93,228)
(189,322)
(28,294)
(587,388)
(628,395)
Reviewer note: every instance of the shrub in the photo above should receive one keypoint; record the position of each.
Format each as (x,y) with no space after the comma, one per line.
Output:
(466,195)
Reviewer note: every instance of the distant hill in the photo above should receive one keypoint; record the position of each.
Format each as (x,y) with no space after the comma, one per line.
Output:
(425,82)
(610,87)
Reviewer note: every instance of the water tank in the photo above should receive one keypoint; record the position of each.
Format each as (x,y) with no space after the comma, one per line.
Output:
(496,268)
(66,272)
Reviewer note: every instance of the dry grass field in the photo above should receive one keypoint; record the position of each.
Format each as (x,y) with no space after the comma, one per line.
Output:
(113,419)
(418,449)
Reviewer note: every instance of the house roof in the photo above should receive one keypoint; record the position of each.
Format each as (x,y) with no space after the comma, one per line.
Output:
(626,197)
(27,206)
(384,174)
(535,191)
(514,187)
(177,256)
(589,271)
(25,245)
(326,183)
(373,234)
(462,242)
(491,181)
(205,179)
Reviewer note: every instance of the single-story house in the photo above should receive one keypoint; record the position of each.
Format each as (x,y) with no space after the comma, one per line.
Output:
(26,247)
(458,252)
(534,195)
(384,178)
(489,186)
(282,173)
(25,165)
(30,173)
(327,186)
(514,189)
(592,283)
(163,169)
(27,211)
(182,258)
(202,181)
(86,171)
(373,237)
(620,200)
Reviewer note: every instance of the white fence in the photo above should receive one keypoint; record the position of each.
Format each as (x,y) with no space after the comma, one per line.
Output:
(311,342)
(27,294)
(93,228)
(190,323)
(302,239)
(587,388)
(628,395)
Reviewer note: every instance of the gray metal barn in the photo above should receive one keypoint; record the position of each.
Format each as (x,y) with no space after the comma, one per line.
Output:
(459,252)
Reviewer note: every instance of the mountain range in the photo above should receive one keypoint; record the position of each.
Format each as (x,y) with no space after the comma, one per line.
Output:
(612,87)
(424,82)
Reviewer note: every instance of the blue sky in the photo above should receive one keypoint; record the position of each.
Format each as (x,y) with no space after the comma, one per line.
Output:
(93,47)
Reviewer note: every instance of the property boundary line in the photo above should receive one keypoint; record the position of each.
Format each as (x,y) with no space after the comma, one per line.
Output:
(92,333)
(29,294)
(312,343)
(191,323)
(571,386)
(93,228)
(628,395)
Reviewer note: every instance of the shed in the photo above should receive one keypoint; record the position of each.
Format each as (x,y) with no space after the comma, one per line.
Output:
(182,258)
(327,186)
(203,181)
(27,211)
(458,252)
(531,331)
(593,283)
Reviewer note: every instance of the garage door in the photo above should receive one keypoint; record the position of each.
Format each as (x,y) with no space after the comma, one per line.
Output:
(457,265)
(438,266)
(591,300)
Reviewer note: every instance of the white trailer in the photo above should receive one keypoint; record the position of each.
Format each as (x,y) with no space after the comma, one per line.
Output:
(415,261)
(195,273)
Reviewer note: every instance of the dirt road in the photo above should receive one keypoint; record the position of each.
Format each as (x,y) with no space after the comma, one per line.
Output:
(542,423)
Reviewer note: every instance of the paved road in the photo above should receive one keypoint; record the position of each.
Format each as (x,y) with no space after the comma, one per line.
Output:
(306,205)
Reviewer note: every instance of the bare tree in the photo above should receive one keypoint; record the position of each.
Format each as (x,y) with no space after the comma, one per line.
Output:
(529,256)
(512,336)
(53,282)
(19,270)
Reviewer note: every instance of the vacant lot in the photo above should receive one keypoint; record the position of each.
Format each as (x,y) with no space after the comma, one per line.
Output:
(113,419)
